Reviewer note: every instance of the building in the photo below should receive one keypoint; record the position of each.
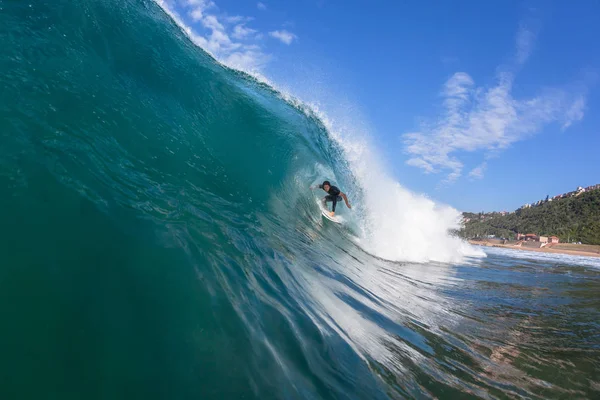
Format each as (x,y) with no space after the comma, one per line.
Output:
(553,239)
(543,239)
(531,237)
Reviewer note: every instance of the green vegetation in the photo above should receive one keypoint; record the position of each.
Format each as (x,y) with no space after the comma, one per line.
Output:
(572,219)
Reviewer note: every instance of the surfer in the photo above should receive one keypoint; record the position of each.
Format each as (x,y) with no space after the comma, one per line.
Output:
(333,195)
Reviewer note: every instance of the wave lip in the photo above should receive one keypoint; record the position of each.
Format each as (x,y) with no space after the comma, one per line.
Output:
(162,239)
(394,223)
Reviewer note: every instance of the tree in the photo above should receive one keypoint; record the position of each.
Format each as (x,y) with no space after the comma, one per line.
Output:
(571,219)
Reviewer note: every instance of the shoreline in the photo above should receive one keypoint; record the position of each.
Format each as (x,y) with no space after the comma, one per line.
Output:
(484,243)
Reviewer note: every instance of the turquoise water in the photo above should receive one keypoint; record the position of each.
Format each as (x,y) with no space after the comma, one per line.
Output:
(159,241)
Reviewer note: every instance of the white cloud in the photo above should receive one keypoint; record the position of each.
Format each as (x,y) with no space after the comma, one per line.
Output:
(284,36)
(261,6)
(247,60)
(219,34)
(525,40)
(200,3)
(211,22)
(488,119)
(237,19)
(197,14)
(477,172)
(242,32)
(198,7)
(575,113)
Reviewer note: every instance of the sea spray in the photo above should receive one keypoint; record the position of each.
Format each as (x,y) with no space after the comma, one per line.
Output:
(396,223)
(393,223)
(160,240)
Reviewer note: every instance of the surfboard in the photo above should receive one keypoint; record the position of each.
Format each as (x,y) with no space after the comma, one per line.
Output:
(329,217)
(338,219)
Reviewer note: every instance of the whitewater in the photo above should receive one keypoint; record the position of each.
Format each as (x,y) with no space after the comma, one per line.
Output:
(399,226)
(161,241)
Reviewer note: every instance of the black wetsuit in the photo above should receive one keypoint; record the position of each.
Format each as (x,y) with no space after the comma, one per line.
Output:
(333,196)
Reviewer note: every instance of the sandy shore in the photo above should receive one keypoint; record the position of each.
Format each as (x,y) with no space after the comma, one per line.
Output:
(594,251)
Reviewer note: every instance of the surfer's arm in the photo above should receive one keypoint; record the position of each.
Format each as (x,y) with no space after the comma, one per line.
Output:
(345,199)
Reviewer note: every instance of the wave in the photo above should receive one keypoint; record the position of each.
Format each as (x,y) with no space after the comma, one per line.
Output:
(392,222)
(162,229)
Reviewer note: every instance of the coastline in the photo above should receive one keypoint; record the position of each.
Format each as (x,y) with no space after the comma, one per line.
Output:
(593,252)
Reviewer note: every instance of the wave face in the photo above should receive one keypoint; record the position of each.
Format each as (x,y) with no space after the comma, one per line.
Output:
(161,241)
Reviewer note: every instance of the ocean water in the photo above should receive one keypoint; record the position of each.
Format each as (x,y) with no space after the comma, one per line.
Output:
(160,240)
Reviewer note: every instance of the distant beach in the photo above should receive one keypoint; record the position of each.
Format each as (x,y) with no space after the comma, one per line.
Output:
(562,248)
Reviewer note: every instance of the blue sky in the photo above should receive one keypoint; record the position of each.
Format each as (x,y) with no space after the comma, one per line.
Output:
(480,105)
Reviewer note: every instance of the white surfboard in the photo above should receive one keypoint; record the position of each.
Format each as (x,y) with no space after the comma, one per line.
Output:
(335,219)
(325,212)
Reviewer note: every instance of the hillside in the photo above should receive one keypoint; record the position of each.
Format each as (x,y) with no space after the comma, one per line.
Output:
(573,219)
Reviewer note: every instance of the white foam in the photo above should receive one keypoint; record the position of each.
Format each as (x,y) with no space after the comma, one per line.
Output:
(396,224)
(553,258)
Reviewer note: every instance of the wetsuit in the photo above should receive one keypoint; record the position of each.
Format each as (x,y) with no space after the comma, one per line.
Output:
(333,196)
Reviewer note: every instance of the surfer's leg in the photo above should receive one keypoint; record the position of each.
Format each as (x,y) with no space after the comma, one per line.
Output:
(327,199)
(334,199)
